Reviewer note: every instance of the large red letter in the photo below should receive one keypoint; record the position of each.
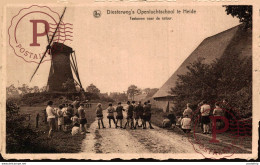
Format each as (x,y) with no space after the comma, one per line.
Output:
(214,128)
(35,34)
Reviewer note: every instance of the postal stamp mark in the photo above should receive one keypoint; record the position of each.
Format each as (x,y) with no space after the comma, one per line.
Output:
(30,30)
(226,133)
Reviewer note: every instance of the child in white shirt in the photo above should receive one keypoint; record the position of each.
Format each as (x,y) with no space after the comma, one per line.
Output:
(75,129)
(186,124)
(60,118)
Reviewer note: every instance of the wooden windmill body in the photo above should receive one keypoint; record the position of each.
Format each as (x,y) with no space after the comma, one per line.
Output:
(60,70)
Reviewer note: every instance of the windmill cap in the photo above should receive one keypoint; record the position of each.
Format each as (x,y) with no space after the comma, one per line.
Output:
(58,48)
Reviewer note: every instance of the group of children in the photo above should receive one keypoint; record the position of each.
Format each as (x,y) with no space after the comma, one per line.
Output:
(67,115)
(204,116)
(134,113)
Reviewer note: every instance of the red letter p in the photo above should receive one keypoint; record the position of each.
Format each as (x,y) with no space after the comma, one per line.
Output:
(35,34)
(214,127)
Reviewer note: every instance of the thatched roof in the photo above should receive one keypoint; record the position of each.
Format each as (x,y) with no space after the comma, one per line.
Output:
(235,39)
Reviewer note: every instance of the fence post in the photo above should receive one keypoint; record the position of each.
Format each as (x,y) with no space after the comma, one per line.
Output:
(37,119)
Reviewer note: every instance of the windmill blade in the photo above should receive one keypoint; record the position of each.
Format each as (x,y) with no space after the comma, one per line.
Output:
(48,47)
(77,72)
(75,59)
(48,40)
(39,64)
(57,26)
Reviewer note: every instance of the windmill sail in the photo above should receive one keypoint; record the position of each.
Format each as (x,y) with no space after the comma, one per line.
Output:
(49,44)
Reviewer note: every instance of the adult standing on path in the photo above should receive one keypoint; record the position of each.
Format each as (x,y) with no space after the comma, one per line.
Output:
(205,111)
(50,118)
(119,115)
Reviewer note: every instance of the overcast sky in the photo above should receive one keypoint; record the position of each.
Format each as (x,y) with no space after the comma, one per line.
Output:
(114,52)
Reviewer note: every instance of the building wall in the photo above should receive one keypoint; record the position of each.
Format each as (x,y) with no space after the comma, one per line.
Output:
(163,103)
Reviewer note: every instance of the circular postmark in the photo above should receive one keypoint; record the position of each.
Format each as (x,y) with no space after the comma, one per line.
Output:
(30,31)
(225,132)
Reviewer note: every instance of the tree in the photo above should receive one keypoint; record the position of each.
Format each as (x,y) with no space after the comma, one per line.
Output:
(244,13)
(213,82)
(147,90)
(133,90)
(43,89)
(24,89)
(36,89)
(194,86)
(150,91)
(69,85)
(118,96)
(12,91)
(93,89)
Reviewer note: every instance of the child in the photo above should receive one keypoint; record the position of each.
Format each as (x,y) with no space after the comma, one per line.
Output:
(82,119)
(136,113)
(50,118)
(129,118)
(110,116)
(75,119)
(75,130)
(172,118)
(166,122)
(99,113)
(66,118)
(218,112)
(70,110)
(147,114)
(178,119)
(186,124)
(205,111)
(119,116)
(60,118)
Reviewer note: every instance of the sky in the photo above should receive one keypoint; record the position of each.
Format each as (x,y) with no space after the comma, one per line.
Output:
(114,52)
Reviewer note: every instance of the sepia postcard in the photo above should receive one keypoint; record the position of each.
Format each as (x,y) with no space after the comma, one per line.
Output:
(130,79)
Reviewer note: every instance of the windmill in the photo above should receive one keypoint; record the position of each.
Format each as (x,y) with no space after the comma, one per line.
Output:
(63,61)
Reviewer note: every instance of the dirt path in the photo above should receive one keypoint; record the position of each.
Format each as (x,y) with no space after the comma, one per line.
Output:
(112,140)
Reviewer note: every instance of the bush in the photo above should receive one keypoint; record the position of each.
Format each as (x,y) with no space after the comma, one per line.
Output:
(18,134)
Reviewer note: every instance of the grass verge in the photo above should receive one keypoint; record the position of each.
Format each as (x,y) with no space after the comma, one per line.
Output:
(62,142)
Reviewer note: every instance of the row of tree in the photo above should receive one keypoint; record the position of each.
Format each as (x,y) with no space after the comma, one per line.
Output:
(12,91)
(131,92)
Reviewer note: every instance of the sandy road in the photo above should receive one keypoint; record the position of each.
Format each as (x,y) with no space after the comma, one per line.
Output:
(112,140)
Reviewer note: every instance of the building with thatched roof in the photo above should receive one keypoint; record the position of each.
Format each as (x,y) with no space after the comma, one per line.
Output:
(236,39)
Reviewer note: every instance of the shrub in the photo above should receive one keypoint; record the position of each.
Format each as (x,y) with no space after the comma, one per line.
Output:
(19,136)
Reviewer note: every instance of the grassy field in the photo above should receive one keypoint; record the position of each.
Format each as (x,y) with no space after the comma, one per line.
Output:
(62,142)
